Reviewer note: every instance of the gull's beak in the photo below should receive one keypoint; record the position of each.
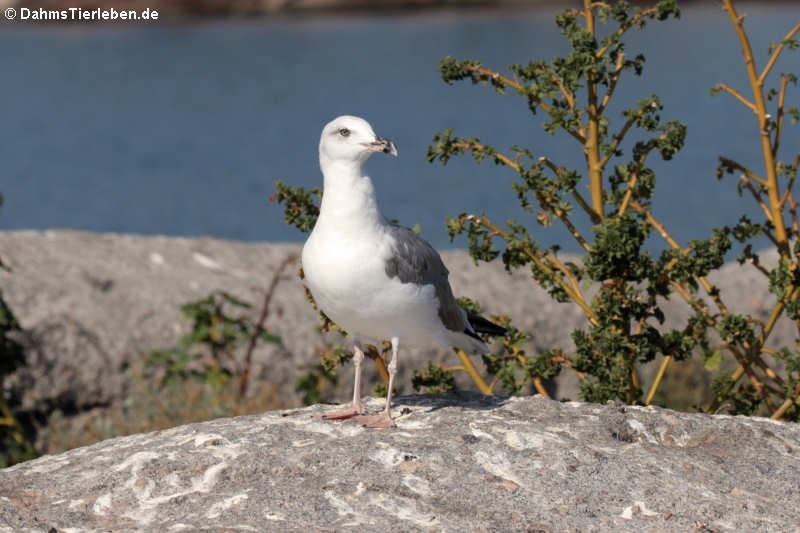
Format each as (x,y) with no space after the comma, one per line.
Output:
(383,145)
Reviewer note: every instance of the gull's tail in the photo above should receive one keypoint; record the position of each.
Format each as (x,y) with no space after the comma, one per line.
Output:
(469,341)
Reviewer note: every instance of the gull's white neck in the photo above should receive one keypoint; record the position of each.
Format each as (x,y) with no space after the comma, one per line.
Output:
(348,199)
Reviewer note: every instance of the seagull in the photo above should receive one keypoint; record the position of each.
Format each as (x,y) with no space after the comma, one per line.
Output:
(373,278)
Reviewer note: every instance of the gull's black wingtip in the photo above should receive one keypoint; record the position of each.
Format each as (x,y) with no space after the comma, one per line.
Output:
(481,325)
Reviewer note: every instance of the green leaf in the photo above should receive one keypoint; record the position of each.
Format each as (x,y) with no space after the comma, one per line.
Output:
(713,361)
(270,338)
(434,378)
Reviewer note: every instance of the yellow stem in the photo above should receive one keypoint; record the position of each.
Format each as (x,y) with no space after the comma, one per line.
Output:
(585,205)
(632,182)
(622,29)
(539,386)
(613,84)
(516,167)
(572,229)
(568,96)
(736,94)
(537,381)
(661,371)
(782,409)
(788,192)
(497,155)
(620,136)
(776,141)
(473,373)
(539,260)
(567,362)
(628,193)
(695,303)
(674,244)
(773,319)
(520,87)
(747,172)
(499,77)
(592,145)
(757,86)
(572,280)
(578,197)
(792,204)
(791,292)
(382,370)
(760,268)
(776,53)
(757,197)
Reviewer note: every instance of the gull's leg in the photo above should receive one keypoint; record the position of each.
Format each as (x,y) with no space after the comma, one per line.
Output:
(358,359)
(356,408)
(384,420)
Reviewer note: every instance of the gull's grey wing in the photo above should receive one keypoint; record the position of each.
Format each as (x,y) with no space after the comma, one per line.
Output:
(413,260)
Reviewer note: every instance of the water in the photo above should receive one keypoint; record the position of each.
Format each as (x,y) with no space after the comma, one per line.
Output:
(182,128)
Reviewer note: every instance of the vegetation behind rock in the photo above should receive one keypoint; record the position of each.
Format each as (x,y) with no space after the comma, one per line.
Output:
(619,284)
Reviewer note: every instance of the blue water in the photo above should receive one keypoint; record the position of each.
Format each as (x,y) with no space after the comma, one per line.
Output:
(182,127)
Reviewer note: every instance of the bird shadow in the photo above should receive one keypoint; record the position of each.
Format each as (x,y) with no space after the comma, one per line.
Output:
(464,399)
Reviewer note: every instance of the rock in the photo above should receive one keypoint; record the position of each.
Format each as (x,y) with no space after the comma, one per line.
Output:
(456,463)
(94,305)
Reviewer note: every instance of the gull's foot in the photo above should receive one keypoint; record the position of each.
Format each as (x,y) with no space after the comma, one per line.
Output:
(344,414)
(381,421)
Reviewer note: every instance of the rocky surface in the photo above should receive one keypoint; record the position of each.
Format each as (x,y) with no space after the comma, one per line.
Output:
(94,305)
(456,463)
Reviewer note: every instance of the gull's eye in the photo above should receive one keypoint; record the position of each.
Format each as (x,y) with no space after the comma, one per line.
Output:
(344,132)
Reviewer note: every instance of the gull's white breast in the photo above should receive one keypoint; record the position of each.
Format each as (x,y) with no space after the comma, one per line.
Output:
(347,277)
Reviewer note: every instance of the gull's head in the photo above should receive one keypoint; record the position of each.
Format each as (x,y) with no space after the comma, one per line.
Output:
(349,139)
